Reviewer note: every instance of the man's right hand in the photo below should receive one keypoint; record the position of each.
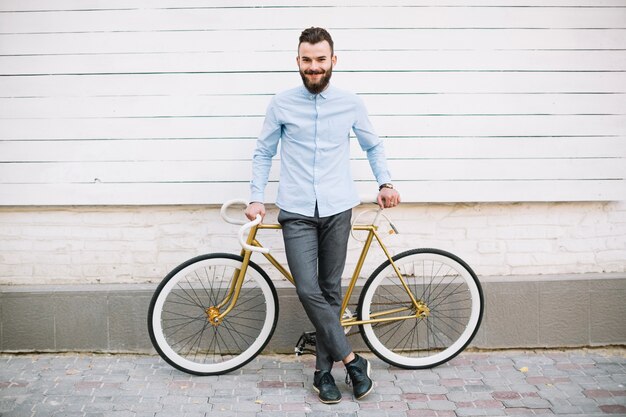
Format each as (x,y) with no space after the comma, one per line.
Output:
(255,208)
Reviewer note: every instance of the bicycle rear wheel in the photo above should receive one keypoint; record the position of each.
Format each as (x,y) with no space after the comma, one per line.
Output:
(451,294)
(179,319)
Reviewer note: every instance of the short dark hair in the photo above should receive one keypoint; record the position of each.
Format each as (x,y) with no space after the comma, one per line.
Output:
(314,35)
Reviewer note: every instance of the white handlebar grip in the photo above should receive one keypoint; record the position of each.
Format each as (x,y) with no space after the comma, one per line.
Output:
(368,198)
(242,239)
(225,207)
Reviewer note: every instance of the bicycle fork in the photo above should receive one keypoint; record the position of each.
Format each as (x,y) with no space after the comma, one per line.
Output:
(214,313)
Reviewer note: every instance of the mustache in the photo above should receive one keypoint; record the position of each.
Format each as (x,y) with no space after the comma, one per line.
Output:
(311,72)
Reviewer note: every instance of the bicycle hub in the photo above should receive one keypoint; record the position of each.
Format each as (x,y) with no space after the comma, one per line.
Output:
(213,314)
(422,309)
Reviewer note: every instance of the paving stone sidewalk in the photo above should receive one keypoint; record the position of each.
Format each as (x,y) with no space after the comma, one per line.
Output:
(502,383)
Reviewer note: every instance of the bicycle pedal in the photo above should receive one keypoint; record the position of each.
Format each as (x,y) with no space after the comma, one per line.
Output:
(307,338)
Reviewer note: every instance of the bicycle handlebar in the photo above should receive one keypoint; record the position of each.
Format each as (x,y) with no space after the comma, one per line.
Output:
(247,225)
(242,238)
(225,207)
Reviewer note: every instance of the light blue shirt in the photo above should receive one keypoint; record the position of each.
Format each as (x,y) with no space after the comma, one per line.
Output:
(314,134)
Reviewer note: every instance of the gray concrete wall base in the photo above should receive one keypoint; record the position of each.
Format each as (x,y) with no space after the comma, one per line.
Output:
(520,312)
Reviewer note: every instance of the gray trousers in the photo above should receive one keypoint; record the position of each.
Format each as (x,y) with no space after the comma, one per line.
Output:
(316,253)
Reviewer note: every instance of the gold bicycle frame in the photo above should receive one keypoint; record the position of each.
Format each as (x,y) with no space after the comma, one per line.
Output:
(418,308)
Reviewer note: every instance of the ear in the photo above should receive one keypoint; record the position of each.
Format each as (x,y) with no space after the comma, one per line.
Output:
(298,61)
(334,60)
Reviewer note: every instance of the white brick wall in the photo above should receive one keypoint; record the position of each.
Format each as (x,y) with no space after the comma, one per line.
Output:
(78,245)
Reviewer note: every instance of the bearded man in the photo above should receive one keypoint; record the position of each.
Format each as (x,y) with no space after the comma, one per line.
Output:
(316,195)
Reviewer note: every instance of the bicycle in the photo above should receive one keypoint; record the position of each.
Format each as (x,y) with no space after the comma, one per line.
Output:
(216,312)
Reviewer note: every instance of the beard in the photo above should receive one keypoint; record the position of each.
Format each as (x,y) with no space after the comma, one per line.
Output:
(319,86)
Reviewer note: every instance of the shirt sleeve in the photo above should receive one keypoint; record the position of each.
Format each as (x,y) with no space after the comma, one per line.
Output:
(266,146)
(371,144)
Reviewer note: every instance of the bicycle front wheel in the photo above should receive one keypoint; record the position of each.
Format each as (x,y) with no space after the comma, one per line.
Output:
(448,316)
(181,319)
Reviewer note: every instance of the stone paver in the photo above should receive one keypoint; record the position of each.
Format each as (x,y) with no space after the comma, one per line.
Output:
(504,383)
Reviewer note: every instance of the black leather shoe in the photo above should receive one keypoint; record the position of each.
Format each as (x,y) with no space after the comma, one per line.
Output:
(359,374)
(324,385)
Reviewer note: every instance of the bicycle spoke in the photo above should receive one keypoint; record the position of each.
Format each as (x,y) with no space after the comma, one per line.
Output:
(182,310)
(193,302)
(392,326)
(229,332)
(212,296)
(444,285)
(412,340)
(199,341)
(407,337)
(201,281)
(182,325)
(182,343)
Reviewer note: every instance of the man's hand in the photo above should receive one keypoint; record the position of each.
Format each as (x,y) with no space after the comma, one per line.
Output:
(388,198)
(255,208)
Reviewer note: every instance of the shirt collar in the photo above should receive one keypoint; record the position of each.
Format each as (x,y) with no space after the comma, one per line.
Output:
(324,94)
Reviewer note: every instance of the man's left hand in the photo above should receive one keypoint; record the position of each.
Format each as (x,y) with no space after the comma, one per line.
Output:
(388,198)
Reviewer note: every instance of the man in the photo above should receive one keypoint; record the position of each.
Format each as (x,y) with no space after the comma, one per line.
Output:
(316,195)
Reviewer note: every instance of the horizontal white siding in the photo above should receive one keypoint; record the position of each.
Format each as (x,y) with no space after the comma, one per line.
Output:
(204,15)
(378,104)
(349,39)
(159,102)
(385,61)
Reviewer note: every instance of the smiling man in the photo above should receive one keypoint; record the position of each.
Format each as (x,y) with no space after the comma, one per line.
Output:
(316,195)
(316,62)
